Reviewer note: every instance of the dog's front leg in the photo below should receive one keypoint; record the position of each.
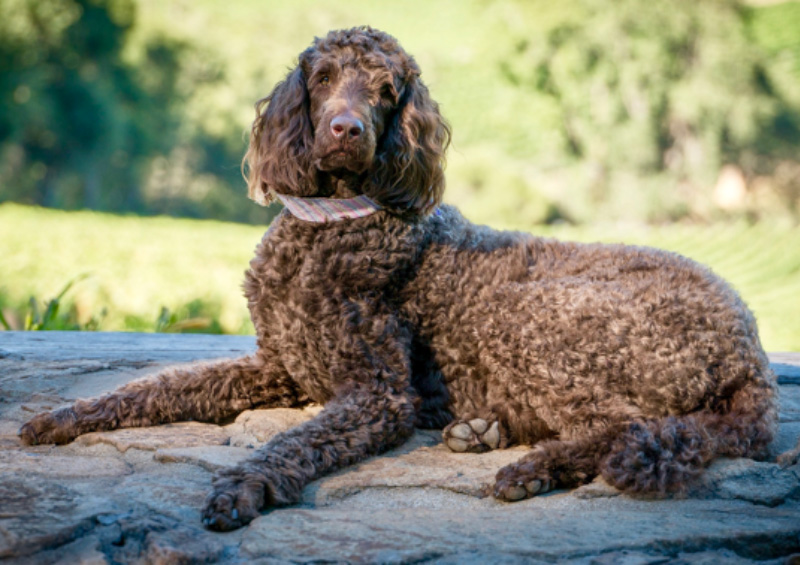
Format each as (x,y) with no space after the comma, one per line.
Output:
(209,392)
(361,421)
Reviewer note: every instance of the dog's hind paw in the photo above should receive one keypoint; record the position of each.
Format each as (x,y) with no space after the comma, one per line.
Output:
(519,481)
(475,435)
(235,502)
(511,492)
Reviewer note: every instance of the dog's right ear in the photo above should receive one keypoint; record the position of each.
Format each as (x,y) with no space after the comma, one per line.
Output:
(280,142)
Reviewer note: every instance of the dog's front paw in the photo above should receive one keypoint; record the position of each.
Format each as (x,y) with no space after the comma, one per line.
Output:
(475,435)
(520,481)
(235,502)
(51,427)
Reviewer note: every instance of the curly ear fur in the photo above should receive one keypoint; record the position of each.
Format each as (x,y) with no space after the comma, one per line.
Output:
(280,142)
(408,177)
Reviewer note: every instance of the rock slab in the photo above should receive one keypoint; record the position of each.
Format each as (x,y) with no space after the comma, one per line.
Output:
(134,496)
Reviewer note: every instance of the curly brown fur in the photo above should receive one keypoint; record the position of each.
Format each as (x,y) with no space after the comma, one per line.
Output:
(633,363)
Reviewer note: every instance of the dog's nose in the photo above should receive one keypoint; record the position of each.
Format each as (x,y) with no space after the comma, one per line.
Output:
(346,126)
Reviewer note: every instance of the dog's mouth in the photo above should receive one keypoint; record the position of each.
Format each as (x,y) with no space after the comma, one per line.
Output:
(339,154)
(343,157)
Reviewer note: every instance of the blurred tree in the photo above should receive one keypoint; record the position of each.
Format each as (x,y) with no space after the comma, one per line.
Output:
(70,102)
(654,99)
(81,127)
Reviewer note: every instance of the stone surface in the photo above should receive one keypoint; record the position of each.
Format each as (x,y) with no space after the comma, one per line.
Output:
(210,458)
(788,432)
(546,528)
(134,496)
(423,462)
(184,434)
(755,481)
(790,403)
(254,428)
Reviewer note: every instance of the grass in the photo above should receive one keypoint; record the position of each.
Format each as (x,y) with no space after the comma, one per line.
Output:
(169,274)
(136,266)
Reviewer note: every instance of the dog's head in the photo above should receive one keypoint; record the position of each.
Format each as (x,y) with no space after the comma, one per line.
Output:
(354,107)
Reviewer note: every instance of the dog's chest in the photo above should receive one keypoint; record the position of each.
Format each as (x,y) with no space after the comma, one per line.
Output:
(318,305)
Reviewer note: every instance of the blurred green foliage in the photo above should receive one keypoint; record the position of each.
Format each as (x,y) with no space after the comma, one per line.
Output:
(64,314)
(146,274)
(654,99)
(189,319)
(50,316)
(575,110)
(82,127)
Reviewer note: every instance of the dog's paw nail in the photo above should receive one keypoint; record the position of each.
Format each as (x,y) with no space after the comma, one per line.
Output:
(461,431)
(479,425)
(533,487)
(457,444)
(517,492)
(492,437)
(235,514)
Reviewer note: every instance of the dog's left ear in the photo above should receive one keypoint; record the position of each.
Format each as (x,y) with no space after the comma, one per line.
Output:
(408,177)
(280,142)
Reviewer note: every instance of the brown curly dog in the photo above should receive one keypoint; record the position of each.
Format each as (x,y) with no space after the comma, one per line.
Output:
(393,311)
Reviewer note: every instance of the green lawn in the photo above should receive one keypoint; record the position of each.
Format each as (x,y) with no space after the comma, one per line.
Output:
(136,265)
(139,265)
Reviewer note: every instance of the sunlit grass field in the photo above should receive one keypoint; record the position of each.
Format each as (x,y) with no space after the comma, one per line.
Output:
(136,265)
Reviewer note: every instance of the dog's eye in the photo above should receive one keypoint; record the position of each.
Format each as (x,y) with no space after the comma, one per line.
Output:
(387,93)
(324,80)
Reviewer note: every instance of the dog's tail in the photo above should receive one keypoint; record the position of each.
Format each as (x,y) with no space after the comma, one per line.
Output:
(664,455)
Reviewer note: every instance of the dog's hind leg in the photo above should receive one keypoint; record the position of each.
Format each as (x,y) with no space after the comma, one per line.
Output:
(664,455)
(210,392)
(657,455)
(554,464)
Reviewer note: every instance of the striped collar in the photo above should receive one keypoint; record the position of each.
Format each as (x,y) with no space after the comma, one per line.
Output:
(322,210)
